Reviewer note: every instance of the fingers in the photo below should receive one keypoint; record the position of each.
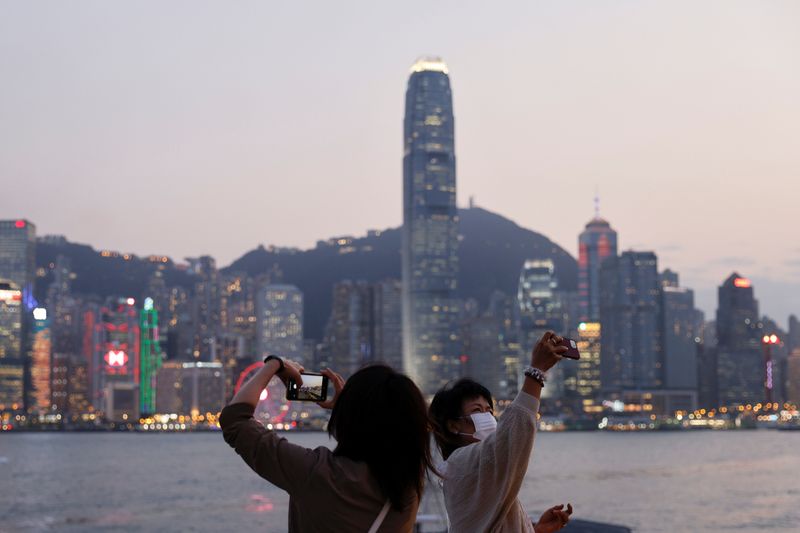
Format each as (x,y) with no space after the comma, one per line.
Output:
(292,370)
(338,385)
(569,509)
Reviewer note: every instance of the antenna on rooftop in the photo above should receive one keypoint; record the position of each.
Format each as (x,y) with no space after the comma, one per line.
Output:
(596,203)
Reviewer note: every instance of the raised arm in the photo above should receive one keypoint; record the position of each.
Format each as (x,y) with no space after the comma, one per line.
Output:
(496,467)
(280,462)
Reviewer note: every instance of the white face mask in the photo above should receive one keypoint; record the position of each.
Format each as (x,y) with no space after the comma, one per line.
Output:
(485,425)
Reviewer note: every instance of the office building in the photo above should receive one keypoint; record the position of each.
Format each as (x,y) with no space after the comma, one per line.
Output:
(541,309)
(205,309)
(483,355)
(12,367)
(149,357)
(596,243)
(350,331)
(40,393)
(629,315)
(430,229)
(588,372)
(111,349)
(279,321)
(793,377)
(17,271)
(678,334)
(388,323)
(740,362)
(189,388)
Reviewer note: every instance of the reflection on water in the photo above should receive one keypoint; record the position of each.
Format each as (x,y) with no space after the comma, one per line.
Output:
(695,481)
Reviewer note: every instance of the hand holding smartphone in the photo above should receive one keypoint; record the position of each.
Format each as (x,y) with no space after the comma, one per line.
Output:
(313,389)
(572,348)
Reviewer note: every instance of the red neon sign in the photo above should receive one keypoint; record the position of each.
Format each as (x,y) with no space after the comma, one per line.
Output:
(742,283)
(116,358)
(19,224)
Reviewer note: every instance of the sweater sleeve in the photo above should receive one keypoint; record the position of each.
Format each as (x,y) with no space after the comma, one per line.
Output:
(280,462)
(488,475)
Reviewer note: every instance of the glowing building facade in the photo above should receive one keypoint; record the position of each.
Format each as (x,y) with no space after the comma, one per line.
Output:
(279,321)
(17,270)
(111,346)
(597,243)
(430,229)
(740,371)
(150,357)
(588,374)
(41,363)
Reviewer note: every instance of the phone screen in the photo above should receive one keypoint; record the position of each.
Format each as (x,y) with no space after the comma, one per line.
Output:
(313,389)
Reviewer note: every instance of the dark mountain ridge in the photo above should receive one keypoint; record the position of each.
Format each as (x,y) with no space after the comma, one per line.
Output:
(491,253)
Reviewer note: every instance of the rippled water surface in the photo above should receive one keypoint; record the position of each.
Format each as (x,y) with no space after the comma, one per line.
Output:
(686,481)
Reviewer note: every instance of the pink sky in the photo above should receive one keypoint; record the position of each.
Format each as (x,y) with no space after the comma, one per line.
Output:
(192,127)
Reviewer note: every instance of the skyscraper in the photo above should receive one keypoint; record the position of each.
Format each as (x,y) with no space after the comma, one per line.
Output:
(678,332)
(540,310)
(111,348)
(597,242)
(387,306)
(206,306)
(279,321)
(18,253)
(430,228)
(588,372)
(349,333)
(150,357)
(629,314)
(40,362)
(17,270)
(740,369)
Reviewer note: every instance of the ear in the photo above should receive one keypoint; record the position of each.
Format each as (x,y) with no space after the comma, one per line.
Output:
(452,426)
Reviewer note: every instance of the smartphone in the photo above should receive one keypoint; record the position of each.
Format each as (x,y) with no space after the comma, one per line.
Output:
(313,389)
(572,348)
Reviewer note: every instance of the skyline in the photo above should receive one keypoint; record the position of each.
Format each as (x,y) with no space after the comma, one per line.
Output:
(191,121)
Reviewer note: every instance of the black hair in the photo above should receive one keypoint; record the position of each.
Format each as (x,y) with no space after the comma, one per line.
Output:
(447,405)
(380,418)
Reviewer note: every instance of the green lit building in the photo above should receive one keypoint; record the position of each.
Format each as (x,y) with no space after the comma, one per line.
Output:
(150,357)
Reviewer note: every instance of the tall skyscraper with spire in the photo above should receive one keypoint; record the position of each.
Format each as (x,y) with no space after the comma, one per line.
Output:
(430,229)
(597,242)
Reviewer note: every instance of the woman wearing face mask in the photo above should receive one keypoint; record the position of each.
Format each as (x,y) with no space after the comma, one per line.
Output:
(486,460)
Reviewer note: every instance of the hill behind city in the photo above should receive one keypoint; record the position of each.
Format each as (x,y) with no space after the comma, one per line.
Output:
(491,253)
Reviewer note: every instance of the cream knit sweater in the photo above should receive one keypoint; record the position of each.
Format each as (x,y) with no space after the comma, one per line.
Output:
(482,480)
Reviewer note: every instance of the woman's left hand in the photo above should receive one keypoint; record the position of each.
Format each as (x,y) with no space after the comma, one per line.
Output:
(291,370)
(553,519)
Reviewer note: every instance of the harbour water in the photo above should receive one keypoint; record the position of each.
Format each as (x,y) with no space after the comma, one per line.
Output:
(650,481)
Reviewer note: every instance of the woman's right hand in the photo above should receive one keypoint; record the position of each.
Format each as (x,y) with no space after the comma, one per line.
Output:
(547,352)
(338,385)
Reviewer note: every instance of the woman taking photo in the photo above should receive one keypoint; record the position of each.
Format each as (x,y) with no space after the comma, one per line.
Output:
(372,480)
(486,459)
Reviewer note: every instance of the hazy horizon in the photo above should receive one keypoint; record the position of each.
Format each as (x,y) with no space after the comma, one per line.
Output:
(197,128)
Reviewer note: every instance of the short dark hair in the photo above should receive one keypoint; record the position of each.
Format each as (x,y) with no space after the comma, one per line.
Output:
(447,405)
(380,418)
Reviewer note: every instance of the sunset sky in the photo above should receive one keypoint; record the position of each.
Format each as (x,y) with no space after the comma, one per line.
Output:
(190,128)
